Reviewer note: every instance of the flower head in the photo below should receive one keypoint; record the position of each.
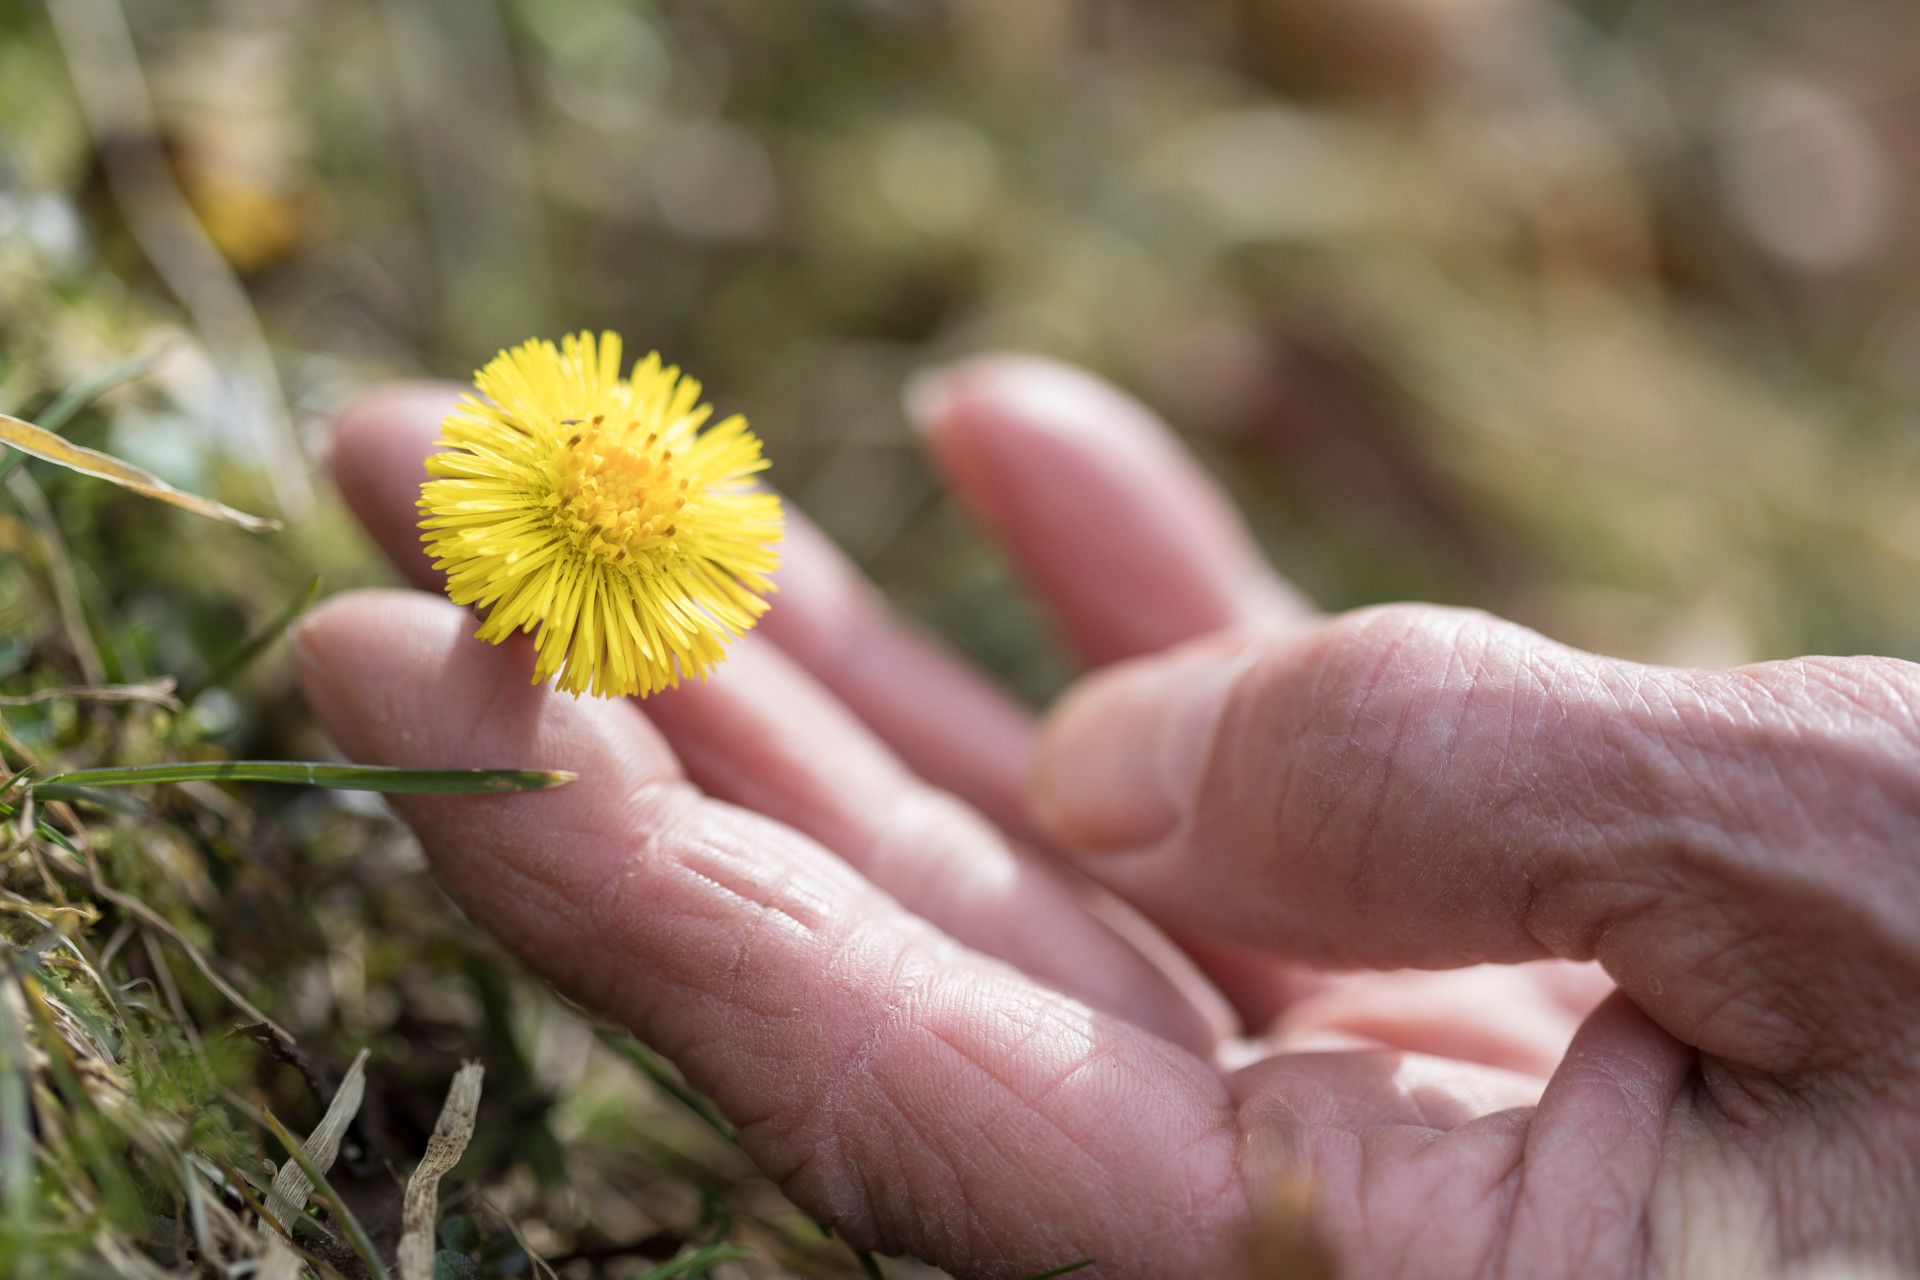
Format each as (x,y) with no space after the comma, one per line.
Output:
(595,509)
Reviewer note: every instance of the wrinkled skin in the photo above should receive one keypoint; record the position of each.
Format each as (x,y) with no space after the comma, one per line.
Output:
(1529,962)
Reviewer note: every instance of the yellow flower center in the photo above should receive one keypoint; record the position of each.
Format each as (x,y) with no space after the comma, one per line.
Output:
(616,496)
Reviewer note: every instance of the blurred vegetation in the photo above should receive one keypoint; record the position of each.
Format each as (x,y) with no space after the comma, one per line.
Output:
(1598,314)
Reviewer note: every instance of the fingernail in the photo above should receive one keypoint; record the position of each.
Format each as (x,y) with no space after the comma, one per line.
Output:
(299,643)
(1032,396)
(1123,760)
(926,397)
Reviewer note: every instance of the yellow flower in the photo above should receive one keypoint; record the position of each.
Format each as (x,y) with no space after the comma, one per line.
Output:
(594,508)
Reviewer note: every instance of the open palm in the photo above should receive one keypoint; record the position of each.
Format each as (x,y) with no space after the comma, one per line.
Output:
(940,1017)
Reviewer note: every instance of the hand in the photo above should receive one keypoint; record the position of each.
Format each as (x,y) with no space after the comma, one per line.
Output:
(946,1044)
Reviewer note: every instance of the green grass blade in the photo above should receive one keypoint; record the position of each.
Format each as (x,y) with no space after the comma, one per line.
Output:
(663,1078)
(87,795)
(697,1263)
(16,1125)
(81,394)
(42,830)
(58,837)
(254,645)
(334,777)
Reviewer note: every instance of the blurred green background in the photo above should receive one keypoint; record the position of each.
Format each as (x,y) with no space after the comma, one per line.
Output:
(1598,314)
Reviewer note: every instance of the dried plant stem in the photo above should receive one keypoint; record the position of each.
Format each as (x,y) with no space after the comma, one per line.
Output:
(66,587)
(451,1134)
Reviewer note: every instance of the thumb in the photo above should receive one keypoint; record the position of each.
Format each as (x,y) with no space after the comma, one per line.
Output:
(1429,788)
(1323,791)
(1129,754)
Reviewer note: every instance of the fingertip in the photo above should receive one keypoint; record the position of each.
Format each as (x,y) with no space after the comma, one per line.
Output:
(363,650)
(377,456)
(1036,392)
(397,419)
(396,677)
(319,633)
(1066,792)
(385,670)
(987,411)
(1116,527)
(1122,760)
(925,399)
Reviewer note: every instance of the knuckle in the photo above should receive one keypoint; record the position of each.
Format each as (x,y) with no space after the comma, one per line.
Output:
(1381,674)
(1871,702)
(1782,802)
(1829,746)
(1406,735)
(1387,703)
(1344,694)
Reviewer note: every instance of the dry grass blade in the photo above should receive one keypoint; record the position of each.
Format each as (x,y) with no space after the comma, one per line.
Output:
(48,447)
(75,398)
(542,1269)
(444,1149)
(153,919)
(60,575)
(343,1216)
(256,644)
(287,1199)
(278,1262)
(157,692)
(119,1259)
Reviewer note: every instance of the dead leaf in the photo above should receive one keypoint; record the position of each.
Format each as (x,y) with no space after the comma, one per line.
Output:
(287,1198)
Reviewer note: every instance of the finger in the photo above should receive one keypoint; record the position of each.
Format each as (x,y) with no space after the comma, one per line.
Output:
(1431,788)
(1624,1090)
(1504,1016)
(952,726)
(1135,548)
(762,734)
(949,723)
(378,459)
(1125,540)
(943,717)
(909,1092)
